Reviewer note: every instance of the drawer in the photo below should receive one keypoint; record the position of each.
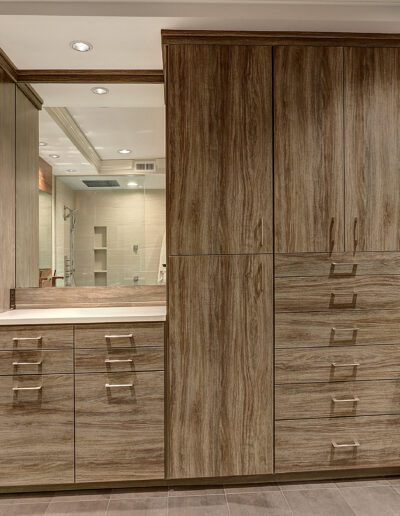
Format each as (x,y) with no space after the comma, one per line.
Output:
(109,336)
(36,430)
(331,294)
(36,337)
(307,445)
(337,364)
(339,328)
(125,359)
(119,426)
(317,400)
(336,265)
(35,361)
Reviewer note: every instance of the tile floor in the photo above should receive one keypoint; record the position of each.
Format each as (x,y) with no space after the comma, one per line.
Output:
(375,497)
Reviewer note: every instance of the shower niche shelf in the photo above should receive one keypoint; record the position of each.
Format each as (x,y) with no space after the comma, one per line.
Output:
(100,256)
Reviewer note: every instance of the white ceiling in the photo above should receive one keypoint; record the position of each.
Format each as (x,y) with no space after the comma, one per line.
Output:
(133,182)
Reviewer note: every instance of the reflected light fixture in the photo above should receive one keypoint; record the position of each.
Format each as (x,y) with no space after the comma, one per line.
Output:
(99,90)
(81,46)
(55,156)
(42,144)
(124,151)
(71,170)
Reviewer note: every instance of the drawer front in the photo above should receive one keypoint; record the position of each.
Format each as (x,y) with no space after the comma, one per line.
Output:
(317,400)
(321,294)
(36,337)
(336,265)
(109,336)
(125,359)
(307,445)
(36,430)
(35,361)
(119,426)
(337,364)
(341,328)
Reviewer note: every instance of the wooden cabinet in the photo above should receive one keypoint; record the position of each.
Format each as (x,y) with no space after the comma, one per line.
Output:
(308,155)
(220,397)
(219,138)
(372,148)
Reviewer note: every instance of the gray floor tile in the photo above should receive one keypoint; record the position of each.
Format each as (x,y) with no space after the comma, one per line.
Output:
(251,488)
(139,492)
(372,501)
(138,507)
(394,481)
(24,509)
(195,490)
(82,495)
(318,502)
(303,486)
(363,482)
(77,507)
(212,505)
(272,503)
(26,498)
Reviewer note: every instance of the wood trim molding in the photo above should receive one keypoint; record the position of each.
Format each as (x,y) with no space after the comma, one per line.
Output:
(31,94)
(8,66)
(91,76)
(342,39)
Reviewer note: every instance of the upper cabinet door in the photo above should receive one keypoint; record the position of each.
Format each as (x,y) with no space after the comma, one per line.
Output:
(219,152)
(372,136)
(309,169)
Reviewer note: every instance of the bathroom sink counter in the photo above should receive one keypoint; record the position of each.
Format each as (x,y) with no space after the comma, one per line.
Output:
(84,315)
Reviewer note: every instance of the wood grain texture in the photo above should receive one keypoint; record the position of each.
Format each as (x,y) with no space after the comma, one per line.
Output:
(321,294)
(372,135)
(119,431)
(7,190)
(316,365)
(312,400)
(51,361)
(341,328)
(52,337)
(336,264)
(37,430)
(91,76)
(308,155)
(219,139)
(140,295)
(142,359)
(27,197)
(307,445)
(143,334)
(220,391)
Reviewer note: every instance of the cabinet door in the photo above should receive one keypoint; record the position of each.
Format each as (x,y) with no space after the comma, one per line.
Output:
(219,149)
(119,426)
(36,430)
(220,413)
(372,138)
(309,175)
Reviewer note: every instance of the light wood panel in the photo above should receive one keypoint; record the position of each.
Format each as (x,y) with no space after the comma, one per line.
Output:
(337,364)
(220,390)
(33,361)
(341,328)
(307,445)
(37,430)
(135,359)
(312,400)
(219,138)
(308,158)
(123,335)
(7,190)
(372,110)
(36,337)
(27,195)
(119,430)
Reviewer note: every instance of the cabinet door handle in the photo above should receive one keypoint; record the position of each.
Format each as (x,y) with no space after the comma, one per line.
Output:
(113,337)
(16,364)
(354,399)
(17,339)
(39,388)
(354,444)
(117,360)
(350,364)
(117,385)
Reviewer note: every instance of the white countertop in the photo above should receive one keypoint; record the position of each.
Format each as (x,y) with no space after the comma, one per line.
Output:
(84,315)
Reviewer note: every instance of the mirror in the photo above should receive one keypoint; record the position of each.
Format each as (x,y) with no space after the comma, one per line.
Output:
(101,194)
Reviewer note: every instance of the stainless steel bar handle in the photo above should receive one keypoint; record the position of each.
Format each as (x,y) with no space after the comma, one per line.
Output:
(16,339)
(354,444)
(39,388)
(337,264)
(351,364)
(262,231)
(354,399)
(344,329)
(16,364)
(117,360)
(117,385)
(129,336)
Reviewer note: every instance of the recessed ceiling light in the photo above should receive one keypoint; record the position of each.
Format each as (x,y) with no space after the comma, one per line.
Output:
(55,156)
(81,46)
(42,144)
(98,90)
(71,170)
(132,184)
(124,151)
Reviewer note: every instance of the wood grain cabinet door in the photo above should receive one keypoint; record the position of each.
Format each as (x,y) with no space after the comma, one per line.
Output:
(220,408)
(372,138)
(309,169)
(219,139)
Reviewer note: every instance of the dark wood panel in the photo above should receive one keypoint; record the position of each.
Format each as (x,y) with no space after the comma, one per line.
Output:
(308,161)
(91,76)
(372,136)
(220,392)
(219,139)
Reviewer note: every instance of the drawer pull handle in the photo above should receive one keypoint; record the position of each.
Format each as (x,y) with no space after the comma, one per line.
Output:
(355,399)
(334,302)
(117,360)
(345,329)
(109,337)
(16,364)
(336,264)
(17,339)
(117,385)
(354,444)
(350,364)
(39,388)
